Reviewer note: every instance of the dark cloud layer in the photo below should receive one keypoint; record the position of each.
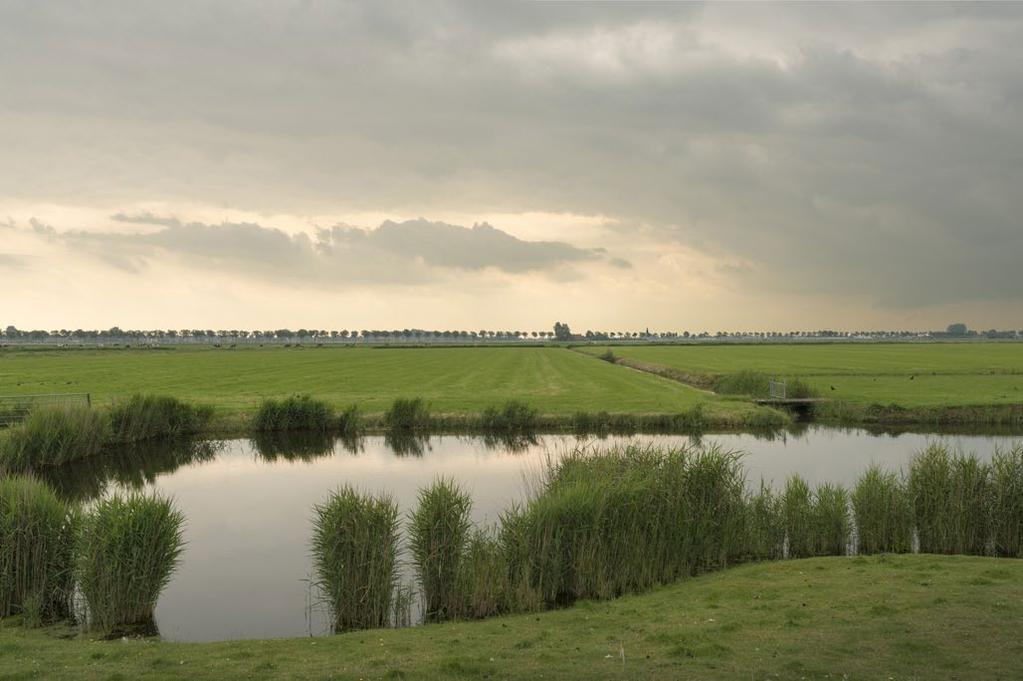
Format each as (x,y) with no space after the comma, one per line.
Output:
(395,252)
(869,151)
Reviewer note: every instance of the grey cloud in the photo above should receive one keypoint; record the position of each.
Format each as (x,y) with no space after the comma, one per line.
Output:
(406,252)
(879,159)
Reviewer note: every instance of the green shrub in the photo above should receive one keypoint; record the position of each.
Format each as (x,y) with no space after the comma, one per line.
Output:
(355,553)
(438,533)
(52,436)
(608,356)
(1007,502)
(128,549)
(144,417)
(408,415)
(297,412)
(36,533)
(881,508)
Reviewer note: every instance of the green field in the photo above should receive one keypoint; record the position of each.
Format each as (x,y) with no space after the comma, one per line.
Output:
(892,617)
(452,380)
(907,374)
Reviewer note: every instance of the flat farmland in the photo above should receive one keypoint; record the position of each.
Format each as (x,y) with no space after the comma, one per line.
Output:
(452,380)
(907,374)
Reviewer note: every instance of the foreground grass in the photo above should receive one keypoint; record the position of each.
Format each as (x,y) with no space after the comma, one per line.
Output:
(890,617)
(451,380)
(907,374)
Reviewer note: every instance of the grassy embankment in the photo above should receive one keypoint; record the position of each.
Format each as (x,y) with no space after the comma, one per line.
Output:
(457,384)
(890,617)
(882,383)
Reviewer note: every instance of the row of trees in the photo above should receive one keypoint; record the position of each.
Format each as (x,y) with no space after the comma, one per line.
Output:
(561,332)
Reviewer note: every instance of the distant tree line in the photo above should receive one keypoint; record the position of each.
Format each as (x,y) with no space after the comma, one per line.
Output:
(560,333)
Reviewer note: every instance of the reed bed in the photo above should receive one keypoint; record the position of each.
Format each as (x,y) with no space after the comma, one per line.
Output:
(482,582)
(145,417)
(297,412)
(513,417)
(622,520)
(128,548)
(882,513)
(408,414)
(797,509)
(36,537)
(53,436)
(831,525)
(1006,490)
(438,535)
(355,554)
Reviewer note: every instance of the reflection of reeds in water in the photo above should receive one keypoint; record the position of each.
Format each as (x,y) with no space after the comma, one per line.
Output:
(407,444)
(131,466)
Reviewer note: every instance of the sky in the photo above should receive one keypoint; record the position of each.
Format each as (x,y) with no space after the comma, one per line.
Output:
(467,165)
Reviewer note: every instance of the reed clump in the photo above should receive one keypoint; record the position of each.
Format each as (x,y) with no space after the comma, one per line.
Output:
(52,436)
(1007,502)
(951,498)
(128,548)
(145,417)
(36,559)
(438,533)
(408,414)
(355,554)
(745,382)
(765,525)
(513,417)
(831,520)
(882,512)
(297,412)
(482,577)
(797,508)
(623,520)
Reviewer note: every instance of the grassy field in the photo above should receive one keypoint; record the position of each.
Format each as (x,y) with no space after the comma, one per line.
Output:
(889,617)
(910,375)
(451,380)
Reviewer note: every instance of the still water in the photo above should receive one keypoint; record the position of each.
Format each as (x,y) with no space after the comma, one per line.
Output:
(246,565)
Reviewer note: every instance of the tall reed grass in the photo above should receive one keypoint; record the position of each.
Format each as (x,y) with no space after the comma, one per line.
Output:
(951,501)
(1007,502)
(831,520)
(297,412)
(128,548)
(36,537)
(482,583)
(145,417)
(622,520)
(407,414)
(513,417)
(355,554)
(51,436)
(438,532)
(797,507)
(882,512)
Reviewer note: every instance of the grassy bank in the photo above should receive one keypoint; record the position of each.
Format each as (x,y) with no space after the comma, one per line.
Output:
(891,617)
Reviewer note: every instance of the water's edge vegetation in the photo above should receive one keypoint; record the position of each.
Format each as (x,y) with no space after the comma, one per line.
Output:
(600,524)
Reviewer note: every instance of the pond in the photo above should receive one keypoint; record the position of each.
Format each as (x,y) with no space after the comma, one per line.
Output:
(248,504)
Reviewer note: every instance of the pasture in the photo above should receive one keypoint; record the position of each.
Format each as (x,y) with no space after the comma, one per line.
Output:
(458,380)
(907,374)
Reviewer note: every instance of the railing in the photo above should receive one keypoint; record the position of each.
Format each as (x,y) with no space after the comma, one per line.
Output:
(14,408)
(777,389)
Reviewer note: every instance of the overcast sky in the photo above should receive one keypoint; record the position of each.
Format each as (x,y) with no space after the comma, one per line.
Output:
(503,165)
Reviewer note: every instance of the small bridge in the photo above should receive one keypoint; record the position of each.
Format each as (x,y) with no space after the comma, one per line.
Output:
(778,397)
